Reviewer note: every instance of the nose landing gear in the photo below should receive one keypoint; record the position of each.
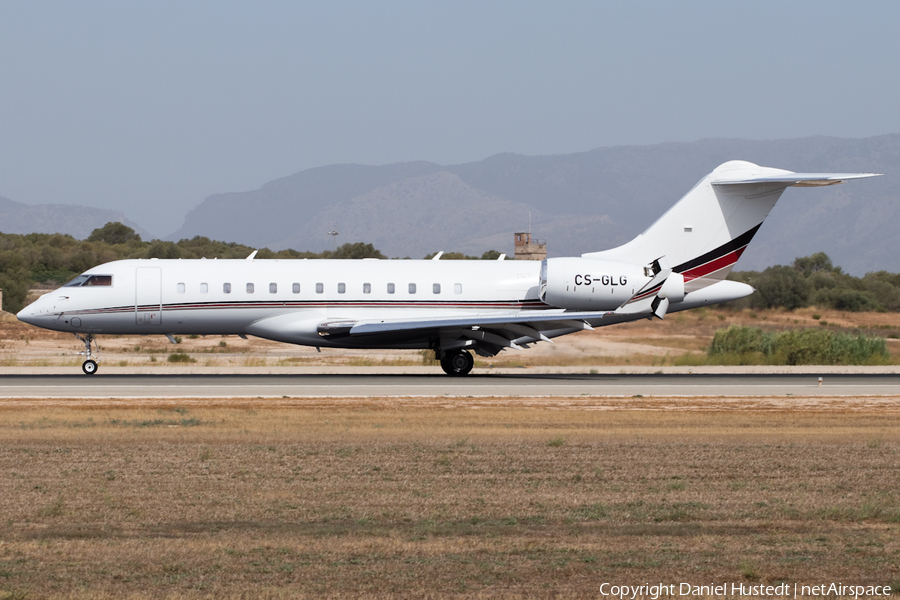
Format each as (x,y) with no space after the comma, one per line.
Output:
(89,366)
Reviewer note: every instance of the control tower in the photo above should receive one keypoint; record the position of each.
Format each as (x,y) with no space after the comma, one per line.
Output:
(528,248)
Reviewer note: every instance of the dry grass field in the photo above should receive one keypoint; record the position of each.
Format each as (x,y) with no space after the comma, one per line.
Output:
(434,498)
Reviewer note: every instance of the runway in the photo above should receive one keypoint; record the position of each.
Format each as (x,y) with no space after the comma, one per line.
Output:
(488,385)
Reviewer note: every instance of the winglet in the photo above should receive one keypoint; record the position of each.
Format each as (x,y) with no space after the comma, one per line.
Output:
(438,255)
(252,255)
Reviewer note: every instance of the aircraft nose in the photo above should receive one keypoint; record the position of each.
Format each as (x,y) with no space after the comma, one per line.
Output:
(24,315)
(32,313)
(27,314)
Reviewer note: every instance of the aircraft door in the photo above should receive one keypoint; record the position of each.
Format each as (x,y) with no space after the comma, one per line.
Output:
(148,296)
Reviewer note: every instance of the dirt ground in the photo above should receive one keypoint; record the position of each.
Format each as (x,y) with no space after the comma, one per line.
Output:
(443,498)
(640,343)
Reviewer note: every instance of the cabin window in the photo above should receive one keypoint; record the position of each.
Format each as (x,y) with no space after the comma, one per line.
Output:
(273,288)
(249,288)
(179,287)
(226,287)
(412,288)
(390,288)
(204,288)
(367,288)
(320,288)
(295,288)
(342,288)
(436,288)
(457,288)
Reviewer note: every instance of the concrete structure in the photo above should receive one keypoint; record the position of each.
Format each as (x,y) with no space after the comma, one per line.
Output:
(528,248)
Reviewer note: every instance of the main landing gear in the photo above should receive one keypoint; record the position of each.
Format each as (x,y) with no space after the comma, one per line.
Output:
(89,366)
(457,362)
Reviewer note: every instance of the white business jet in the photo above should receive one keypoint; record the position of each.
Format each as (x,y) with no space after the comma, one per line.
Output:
(450,307)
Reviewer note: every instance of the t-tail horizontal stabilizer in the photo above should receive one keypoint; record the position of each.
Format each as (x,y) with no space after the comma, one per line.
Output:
(793,179)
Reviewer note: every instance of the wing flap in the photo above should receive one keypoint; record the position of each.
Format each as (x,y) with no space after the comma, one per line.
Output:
(541,320)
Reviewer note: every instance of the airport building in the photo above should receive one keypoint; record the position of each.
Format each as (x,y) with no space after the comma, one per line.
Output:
(528,248)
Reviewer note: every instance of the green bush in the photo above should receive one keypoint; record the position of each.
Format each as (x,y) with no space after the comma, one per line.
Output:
(736,340)
(15,278)
(814,263)
(814,280)
(811,346)
(41,273)
(355,250)
(884,293)
(845,299)
(180,357)
(114,233)
(781,286)
(855,301)
(821,281)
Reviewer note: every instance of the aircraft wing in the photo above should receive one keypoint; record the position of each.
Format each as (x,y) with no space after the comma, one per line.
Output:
(485,332)
(540,320)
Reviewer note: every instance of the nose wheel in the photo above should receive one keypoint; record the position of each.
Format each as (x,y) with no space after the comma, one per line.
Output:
(89,366)
(457,363)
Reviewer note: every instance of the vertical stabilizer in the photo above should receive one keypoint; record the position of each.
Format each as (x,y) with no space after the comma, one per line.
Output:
(705,232)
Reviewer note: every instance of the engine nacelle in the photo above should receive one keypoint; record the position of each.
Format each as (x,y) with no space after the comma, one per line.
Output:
(589,284)
(673,288)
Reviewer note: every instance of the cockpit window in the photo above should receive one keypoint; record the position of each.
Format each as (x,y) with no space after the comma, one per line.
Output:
(90,281)
(104,280)
(77,281)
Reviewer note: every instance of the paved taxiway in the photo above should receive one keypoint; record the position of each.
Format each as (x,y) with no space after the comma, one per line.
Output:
(524,385)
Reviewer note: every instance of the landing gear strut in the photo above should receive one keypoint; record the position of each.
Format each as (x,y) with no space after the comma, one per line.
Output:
(89,366)
(457,363)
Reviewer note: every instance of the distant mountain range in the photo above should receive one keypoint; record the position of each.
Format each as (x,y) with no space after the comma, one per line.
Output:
(77,221)
(578,202)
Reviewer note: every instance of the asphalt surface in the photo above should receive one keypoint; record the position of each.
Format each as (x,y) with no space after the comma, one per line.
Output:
(524,385)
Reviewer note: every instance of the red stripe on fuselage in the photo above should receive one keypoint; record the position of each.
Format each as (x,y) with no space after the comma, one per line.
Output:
(713,265)
(643,295)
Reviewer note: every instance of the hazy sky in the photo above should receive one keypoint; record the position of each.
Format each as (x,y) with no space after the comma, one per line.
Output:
(151,106)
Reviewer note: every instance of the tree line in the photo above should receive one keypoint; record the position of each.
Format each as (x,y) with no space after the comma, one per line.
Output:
(52,259)
(814,281)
